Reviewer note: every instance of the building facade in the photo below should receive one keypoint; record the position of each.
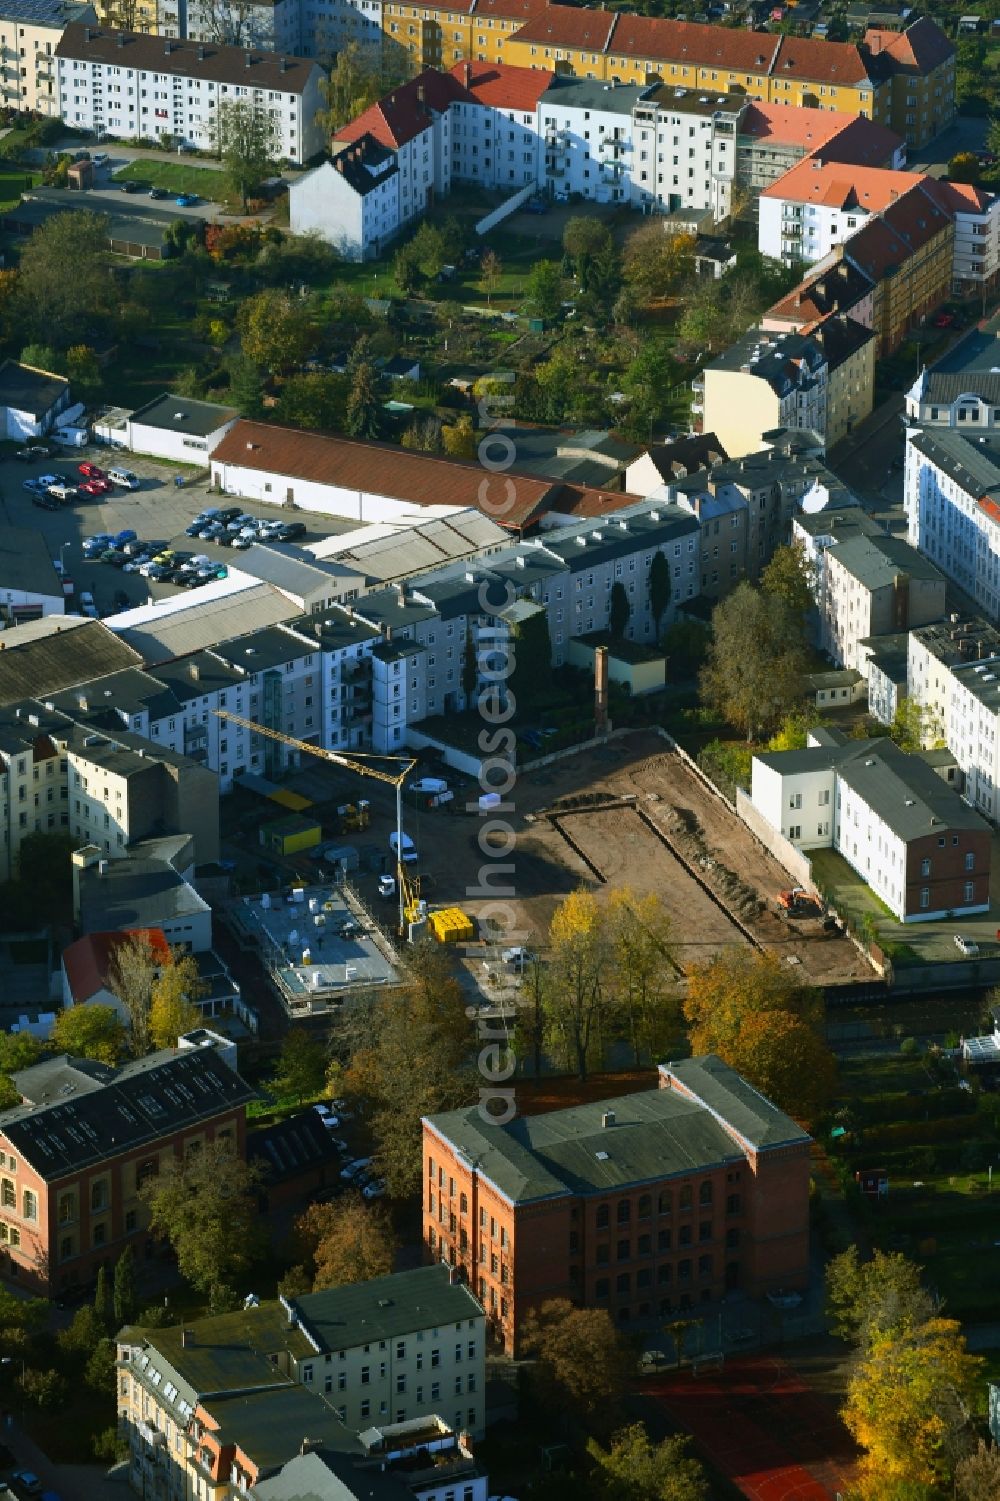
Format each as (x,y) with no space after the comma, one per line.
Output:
(128,84)
(764,382)
(920,61)
(874,585)
(644,1205)
(78,1150)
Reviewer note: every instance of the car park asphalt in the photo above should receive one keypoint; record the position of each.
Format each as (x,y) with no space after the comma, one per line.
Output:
(158,511)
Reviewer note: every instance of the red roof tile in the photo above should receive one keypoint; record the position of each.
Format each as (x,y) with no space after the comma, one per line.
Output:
(814,60)
(501,86)
(88,961)
(862,143)
(786,124)
(817,181)
(378,468)
(509,10)
(920,48)
(959,197)
(565,26)
(404,113)
(687,42)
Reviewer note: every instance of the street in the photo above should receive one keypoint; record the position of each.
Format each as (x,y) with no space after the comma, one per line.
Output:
(68,1482)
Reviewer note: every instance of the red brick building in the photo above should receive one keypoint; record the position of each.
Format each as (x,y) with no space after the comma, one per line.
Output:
(645,1205)
(74,1155)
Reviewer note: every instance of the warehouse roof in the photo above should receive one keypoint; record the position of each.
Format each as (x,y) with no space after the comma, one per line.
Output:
(142,891)
(297,572)
(241,66)
(384,1308)
(180,414)
(368,468)
(25,563)
(25,388)
(47,655)
(158,635)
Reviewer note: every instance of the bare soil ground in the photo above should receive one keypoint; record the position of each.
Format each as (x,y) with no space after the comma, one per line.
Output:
(708,848)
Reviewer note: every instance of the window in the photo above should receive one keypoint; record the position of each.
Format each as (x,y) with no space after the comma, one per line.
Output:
(603,1216)
(925,867)
(624,1211)
(970,861)
(29,1205)
(970,890)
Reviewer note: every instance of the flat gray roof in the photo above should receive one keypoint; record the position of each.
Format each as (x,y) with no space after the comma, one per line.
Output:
(590,93)
(385,1308)
(179,414)
(25,562)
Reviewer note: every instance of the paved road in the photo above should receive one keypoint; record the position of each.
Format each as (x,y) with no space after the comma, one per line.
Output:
(69,1482)
(967,134)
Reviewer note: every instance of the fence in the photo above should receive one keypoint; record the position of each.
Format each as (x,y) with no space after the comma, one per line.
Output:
(508,207)
(795,861)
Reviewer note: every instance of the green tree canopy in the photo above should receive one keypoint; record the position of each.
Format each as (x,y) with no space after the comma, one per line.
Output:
(249,144)
(582,1363)
(90,1031)
(301,1070)
(619,611)
(363,413)
(64,283)
(543,290)
(754,671)
(275,330)
(205,1204)
(634,1469)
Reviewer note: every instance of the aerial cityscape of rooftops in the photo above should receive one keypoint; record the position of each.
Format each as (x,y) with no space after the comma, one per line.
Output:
(499,750)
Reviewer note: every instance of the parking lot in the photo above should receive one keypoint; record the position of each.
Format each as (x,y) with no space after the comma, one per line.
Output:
(158,511)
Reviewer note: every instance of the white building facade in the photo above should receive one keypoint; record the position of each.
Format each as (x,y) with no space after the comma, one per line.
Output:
(127,84)
(952,500)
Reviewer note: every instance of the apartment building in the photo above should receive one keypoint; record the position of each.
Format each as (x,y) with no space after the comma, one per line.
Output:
(962,390)
(952,499)
(837,520)
(405,1346)
(875,585)
(75,1153)
(30,31)
(773,138)
(920,63)
(922,849)
(217,1408)
(835,285)
(268,25)
(645,1205)
(763,382)
(953,669)
(128,84)
(495,139)
(908,253)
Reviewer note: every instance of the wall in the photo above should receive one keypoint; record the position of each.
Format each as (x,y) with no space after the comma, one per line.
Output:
(795,861)
(161,443)
(313,495)
(508,207)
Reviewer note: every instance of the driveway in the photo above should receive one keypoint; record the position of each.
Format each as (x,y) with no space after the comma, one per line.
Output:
(967,134)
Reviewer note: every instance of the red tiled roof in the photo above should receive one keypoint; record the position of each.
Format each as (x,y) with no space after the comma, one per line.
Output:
(580,500)
(891,237)
(509,10)
(958,197)
(817,61)
(687,42)
(88,961)
(404,113)
(916,216)
(565,26)
(379,468)
(921,47)
(786,124)
(817,181)
(502,86)
(861,143)
(837,287)
(876,249)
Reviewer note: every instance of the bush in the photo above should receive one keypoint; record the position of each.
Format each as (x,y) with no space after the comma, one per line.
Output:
(108,1446)
(909,1047)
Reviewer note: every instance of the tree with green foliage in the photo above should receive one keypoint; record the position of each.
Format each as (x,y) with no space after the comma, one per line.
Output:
(90,1031)
(104,1306)
(313,400)
(914,725)
(531,679)
(249,143)
(275,330)
(354,82)
(659,589)
(964,167)
(789,577)
(83,371)
(882,1292)
(363,412)
(459,438)
(301,1068)
(131,977)
(124,1295)
(205,1204)
(619,611)
(753,675)
(428,247)
(793,731)
(686,644)
(43,357)
(406,270)
(425,1036)
(543,291)
(17,1050)
(584,238)
(64,282)
(246,388)
(656,264)
(635,1469)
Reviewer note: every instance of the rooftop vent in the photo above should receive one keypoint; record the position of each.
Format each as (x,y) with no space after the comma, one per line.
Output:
(608,1119)
(602,1156)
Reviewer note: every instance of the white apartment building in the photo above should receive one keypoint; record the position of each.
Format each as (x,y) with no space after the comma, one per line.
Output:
(909,835)
(30,31)
(328,26)
(586,134)
(273,25)
(127,84)
(494,129)
(953,669)
(684,153)
(962,390)
(952,500)
(874,585)
(352,201)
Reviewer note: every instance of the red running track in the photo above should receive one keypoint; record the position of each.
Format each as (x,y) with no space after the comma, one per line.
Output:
(763,1427)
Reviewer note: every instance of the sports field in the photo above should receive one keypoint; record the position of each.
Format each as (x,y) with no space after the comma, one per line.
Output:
(763,1426)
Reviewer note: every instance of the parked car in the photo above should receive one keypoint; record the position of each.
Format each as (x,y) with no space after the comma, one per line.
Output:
(87,605)
(125,535)
(45,503)
(120,600)
(374,1189)
(158,193)
(186,200)
(63,492)
(355,1168)
(125,478)
(326,1115)
(129,185)
(290,531)
(90,471)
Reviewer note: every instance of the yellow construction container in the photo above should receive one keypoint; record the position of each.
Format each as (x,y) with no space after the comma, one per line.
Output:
(452,925)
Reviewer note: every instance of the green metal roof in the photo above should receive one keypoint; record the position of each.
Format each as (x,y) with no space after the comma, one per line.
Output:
(731,1099)
(384,1308)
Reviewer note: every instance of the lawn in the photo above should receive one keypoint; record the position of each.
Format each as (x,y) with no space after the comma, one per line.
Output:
(14,182)
(178,177)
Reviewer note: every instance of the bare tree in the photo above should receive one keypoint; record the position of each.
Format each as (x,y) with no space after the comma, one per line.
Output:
(131,977)
(231,23)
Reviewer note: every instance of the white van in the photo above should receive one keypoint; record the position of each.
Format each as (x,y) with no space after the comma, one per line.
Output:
(125,478)
(71,437)
(409,853)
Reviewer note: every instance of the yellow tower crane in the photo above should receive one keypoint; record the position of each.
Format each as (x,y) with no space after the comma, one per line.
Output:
(407,888)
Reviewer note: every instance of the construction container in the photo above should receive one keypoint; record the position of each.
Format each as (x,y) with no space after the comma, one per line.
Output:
(287,836)
(452,925)
(344,855)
